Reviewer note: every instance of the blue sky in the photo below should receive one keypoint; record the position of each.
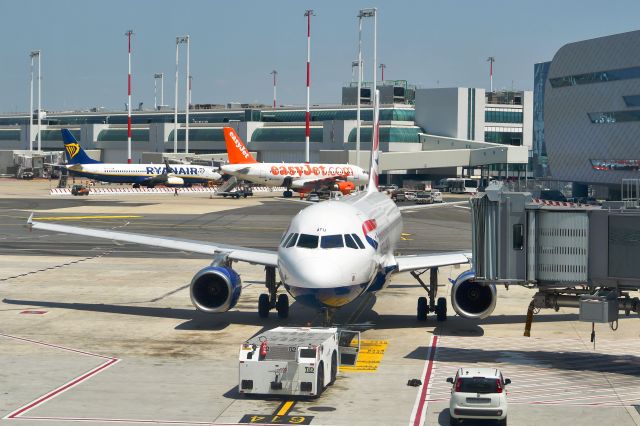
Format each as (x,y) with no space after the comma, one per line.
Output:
(236,44)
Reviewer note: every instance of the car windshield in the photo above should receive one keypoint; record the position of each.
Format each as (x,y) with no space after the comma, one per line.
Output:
(308,241)
(478,385)
(423,195)
(331,241)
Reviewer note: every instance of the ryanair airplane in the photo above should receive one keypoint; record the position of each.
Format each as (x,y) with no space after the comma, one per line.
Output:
(149,175)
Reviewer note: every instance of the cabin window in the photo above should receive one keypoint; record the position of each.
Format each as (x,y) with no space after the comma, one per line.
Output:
(292,241)
(331,241)
(350,242)
(358,240)
(308,241)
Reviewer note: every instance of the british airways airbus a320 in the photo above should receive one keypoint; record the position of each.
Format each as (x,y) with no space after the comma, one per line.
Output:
(149,175)
(332,253)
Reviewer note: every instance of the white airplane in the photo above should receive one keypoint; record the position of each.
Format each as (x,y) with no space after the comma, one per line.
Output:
(332,253)
(80,164)
(303,177)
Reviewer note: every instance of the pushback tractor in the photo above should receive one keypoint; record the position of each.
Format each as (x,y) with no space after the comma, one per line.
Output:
(298,361)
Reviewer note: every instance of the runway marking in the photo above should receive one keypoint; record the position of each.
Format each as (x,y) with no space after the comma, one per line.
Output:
(369,357)
(20,412)
(284,408)
(418,414)
(86,217)
(33,312)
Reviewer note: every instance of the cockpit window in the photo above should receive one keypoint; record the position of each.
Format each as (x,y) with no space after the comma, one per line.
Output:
(285,240)
(350,242)
(292,241)
(331,241)
(358,240)
(308,241)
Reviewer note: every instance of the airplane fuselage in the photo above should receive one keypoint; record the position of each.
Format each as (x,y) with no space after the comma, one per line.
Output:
(342,249)
(298,175)
(141,173)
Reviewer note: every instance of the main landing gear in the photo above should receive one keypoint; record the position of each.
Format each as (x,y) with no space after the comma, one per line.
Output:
(425,306)
(266,302)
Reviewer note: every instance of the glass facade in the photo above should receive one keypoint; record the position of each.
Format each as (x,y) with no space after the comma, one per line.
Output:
(505,137)
(10,135)
(618,165)
(388,134)
(614,117)
(632,101)
(366,114)
(286,134)
(56,135)
(539,151)
(116,135)
(502,115)
(199,135)
(595,77)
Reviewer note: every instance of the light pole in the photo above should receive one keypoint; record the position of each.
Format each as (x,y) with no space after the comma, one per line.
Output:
(275,82)
(491,60)
(308,13)
(188,96)
(31,55)
(364,13)
(175,99)
(157,76)
(129,34)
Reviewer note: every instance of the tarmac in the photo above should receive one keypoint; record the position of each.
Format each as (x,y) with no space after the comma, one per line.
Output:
(98,332)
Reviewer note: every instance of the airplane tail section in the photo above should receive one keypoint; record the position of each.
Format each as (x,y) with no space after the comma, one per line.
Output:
(375,147)
(236,150)
(74,152)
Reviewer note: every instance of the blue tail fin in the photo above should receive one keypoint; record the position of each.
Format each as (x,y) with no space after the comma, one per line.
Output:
(74,152)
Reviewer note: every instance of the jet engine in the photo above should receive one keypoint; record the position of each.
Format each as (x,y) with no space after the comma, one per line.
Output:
(215,289)
(471,299)
(174,181)
(344,187)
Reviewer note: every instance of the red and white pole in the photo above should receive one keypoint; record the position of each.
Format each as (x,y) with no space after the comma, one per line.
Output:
(491,60)
(129,34)
(382,67)
(307,133)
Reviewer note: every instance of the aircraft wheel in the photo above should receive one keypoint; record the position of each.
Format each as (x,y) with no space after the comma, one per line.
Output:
(441,309)
(287,194)
(264,305)
(423,308)
(282,306)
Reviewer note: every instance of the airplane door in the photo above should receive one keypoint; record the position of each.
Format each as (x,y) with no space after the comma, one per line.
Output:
(348,347)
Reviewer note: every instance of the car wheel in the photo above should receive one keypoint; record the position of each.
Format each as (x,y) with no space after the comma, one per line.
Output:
(320,382)
(453,421)
(503,422)
(282,306)
(334,367)
(441,309)
(264,305)
(423,309)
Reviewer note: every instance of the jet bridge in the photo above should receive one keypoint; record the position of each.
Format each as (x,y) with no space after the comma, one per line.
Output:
(576,255)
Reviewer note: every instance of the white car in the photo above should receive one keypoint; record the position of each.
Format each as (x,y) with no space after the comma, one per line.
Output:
(436,196)
(478,393)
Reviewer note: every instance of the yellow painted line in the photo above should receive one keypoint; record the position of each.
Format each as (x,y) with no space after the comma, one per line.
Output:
(286,407)
(83,217)
(369,357)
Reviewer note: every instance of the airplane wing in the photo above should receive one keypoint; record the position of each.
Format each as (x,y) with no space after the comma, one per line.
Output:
(431,260)
(310,183)
(253,256)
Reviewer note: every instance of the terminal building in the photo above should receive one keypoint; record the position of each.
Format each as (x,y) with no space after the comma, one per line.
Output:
(428,133)
(587,114)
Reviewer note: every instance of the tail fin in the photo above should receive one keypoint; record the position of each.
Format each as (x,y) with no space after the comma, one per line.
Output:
(237,152)
(74,152)
(375,147)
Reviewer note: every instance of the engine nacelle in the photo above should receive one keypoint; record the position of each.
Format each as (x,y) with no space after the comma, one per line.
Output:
(215,289)
(471,299)
(174,181)
(345,187)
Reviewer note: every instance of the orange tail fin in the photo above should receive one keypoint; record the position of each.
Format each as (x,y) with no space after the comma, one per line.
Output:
(237,152)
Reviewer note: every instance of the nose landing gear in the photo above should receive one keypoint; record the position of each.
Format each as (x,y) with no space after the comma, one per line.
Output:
(426,306)
(266,302)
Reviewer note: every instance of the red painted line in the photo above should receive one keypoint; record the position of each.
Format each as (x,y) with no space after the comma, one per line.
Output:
(61,389)
(425,382)
(51,345)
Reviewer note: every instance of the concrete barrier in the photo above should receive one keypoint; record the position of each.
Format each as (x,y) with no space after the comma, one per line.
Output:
(158,190)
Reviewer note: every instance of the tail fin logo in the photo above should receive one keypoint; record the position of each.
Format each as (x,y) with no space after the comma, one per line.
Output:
(72,149)
(237,151)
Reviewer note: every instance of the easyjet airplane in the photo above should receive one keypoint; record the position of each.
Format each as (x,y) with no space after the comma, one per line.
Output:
(302,177)
(331,254)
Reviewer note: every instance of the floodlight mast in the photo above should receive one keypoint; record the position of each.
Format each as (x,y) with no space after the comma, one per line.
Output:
(129,34)
(308,13)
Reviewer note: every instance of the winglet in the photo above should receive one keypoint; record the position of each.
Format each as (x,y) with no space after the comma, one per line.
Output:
(30,222)
(236,150)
